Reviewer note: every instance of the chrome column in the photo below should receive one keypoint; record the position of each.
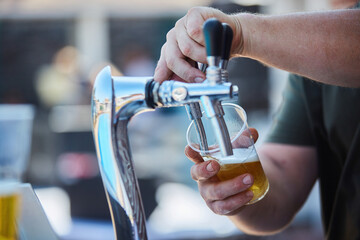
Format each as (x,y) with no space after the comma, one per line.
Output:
(115,100)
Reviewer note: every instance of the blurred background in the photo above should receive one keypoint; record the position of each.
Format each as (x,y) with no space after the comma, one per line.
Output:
(50,53)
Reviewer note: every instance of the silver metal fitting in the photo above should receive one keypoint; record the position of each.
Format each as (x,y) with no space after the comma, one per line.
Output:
(224,75)
(179,94)
(165,92)
(213,75)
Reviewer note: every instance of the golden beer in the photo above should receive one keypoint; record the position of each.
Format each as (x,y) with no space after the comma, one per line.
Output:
(9,208)
(240,163)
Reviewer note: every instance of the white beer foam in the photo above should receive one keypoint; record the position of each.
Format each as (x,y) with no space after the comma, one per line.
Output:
(8,187)
(241,155)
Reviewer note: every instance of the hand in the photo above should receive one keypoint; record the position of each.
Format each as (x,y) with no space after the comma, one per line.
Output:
(185,45)
(222,197)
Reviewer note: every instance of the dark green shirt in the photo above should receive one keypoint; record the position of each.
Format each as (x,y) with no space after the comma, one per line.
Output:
(328,118)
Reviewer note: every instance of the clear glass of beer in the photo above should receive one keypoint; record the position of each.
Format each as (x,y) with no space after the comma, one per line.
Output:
(15,141)
(244,159)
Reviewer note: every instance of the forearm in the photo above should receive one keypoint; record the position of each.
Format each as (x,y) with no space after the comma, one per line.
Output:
(323,46)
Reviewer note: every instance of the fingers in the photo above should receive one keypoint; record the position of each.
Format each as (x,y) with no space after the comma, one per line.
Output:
(178,64)
(185,42)
(175,54)
(188,46)
(221,190)
(230,205)
(204,170)
(226,197)
(194,21)
(162,72)
(222,197)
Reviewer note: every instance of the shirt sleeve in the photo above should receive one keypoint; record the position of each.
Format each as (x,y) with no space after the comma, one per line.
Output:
(291,123)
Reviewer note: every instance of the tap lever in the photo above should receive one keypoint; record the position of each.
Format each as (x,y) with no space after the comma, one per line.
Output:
(212,30)
(226,47)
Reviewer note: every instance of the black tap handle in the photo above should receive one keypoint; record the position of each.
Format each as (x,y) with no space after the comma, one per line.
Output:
(213,31)
(227,41)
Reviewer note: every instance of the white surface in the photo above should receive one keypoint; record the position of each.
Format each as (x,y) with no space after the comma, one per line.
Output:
(83,229)
(56,205)
(182,213)
(33,223)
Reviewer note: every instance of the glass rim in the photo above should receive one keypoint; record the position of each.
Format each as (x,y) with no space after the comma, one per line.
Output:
(244,117)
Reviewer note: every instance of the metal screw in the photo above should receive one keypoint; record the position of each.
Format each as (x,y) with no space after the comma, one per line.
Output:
(179,94)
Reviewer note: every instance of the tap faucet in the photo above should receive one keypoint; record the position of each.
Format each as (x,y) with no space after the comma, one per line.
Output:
(115,100)
(218,39)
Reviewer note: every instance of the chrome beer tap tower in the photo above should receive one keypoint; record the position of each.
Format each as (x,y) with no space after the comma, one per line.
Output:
(116,100)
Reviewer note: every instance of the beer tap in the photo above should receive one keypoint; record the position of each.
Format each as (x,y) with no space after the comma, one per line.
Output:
(218,38)
(116,100)
(225,56)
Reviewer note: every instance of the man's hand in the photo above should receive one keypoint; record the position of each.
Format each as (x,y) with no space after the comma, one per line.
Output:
(185,45)
(222,197)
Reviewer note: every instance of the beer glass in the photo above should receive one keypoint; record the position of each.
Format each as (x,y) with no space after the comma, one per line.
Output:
(244,159)
(15,141)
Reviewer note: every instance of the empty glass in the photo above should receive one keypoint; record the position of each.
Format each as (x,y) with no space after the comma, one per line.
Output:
(15,141)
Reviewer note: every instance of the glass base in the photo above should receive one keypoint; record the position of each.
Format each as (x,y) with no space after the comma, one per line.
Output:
(252,201)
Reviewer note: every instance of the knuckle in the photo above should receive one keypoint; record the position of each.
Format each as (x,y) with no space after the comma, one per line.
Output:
(238,185)
(194,31)
(193,173)
(170,62)
(186,49)
(211,205)
(187,75)
(170,34)
(218,193)
(158,67)
(178,22)
(198,172)
(221,207)
(193,10)
(163,49)
(243,199)
(203,194)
